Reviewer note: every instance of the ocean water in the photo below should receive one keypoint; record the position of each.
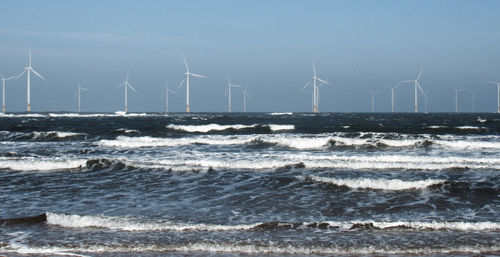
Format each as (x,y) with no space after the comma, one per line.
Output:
(258,184)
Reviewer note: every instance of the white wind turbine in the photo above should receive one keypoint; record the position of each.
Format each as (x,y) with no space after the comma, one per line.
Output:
(167,90)
(28,70)
(393,97)
(3,90)
(373,99)
(245,96)
(456,95)
(498,93)
(315,88)
(186,78)
(228,90)
(79,92)
(126,85)
(417,87)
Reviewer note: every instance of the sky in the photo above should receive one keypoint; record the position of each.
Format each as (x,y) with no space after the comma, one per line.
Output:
(267,45)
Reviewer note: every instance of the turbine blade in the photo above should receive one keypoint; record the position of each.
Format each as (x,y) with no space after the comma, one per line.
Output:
(406,81)
(180,85)
(22,73)
(131,87)
(323,81)
(492,82)
(420,74)
(185,63)
(314,69)
(198,75)
(84,89)
(307,84)
(120,85)
(237,85)
(36,73)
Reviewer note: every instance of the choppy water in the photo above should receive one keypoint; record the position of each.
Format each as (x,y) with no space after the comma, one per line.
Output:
(275,184)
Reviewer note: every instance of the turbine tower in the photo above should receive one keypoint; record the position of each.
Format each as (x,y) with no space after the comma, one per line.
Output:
(228,90)
(245,96)
(126,85)
(373,99)
(79,92)
(315,88)
(417,87)
(393,97)
(167,90)
(186,78)
(3,90)
(498,93)
(28,70)
(456,96)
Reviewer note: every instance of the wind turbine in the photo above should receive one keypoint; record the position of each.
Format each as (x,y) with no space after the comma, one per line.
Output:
(373,99)
(456,96)
(498,93)
(245,96)
(3,90)
(393,97)
(186,78)
(80,88)
(28,70)
(166,100)
(315,88)
(417,87)
(228,90)
(126,85)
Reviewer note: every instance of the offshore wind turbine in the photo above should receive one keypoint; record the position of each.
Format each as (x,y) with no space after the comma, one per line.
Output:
(498,93)
(373,99)
(393,97)
(28,70)
(417,87)
(126,85)
(228,90)
(79,92)
(456,96)
(3,90)
(245,96)
(186,78)
(315,88)
(167,90)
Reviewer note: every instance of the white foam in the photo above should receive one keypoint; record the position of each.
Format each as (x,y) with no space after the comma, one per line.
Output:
(276,127)
(270,248)
(208,127)
(281,113)
(117,223)
(382,184)
(59,134)
(135,142)
(38,164)
(469,128)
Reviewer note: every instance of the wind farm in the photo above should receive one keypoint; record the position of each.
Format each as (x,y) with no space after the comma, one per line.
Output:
(315,83)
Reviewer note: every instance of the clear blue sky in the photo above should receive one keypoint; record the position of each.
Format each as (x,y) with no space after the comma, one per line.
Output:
(358,46)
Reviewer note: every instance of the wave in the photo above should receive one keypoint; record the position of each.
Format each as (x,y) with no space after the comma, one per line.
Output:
(280,113)
(380,184)
(217,127)
(247,248)
(39,164)
(127,224)
(130,224)
(337,141)
(42,135)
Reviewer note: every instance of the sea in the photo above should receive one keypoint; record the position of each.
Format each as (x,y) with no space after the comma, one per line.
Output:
(250,184)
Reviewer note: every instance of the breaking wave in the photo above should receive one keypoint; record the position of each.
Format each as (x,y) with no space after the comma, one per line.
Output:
(131,224)
(381,184)
(39,164)
(218,127)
